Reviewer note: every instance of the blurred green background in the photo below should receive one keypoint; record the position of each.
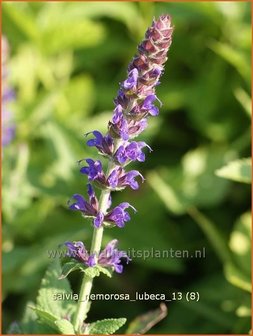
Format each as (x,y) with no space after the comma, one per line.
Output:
(65,65)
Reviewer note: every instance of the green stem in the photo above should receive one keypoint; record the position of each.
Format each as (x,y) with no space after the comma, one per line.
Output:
(214,236)
(86,286)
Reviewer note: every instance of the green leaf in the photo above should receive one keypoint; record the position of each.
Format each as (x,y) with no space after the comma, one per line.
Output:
(71,35)
(47,318)
(238,170)
(65,327)
(25,22)
(61,149)
(92,272)
(233,56)
(68,268)
(238,272)
(212,233)
(245,100)
(107,326)
(240,243)
(145,322)
(170,198)
(105,271)
(125,12)
(191,183)
(237,277)
(30,324)
(51,286)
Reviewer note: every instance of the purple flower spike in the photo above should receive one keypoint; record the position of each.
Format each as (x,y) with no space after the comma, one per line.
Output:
(137,93)
(103,143)
(134,104)
(118,215)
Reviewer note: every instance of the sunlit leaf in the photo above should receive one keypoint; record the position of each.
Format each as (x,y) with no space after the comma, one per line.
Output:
(107,326)
(238,170)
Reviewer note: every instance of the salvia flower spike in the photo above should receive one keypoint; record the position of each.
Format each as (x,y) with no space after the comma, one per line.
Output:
(135,102)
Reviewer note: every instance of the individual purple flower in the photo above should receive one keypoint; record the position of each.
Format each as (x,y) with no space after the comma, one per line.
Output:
(94,171)
(118,127)
(119,215)
(119,179)
(148,105)
(103,143)
(131,82)
(88,209)
(111,257)
(131,152)
(77,251)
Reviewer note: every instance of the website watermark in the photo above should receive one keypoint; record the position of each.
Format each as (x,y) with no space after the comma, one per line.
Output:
(133,253)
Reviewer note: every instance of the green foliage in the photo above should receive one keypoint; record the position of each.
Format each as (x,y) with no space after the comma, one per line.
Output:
(45,317)
(67,268)
(65,327)
(49,315)
(50,286)
(66,59)
(91,272)
(238,170)
(239,272)
(30,324)
(106,327)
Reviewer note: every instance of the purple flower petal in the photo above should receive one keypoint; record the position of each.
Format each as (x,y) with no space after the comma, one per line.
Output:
(80,204)
(118,268)
(129,179)
(98,221)
(131,81)
(111,257)
(94,170)
(113,178)
(118,215)
(91,261)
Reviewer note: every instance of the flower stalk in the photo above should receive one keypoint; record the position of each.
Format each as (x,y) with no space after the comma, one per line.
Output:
(87,281)
(134,104)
